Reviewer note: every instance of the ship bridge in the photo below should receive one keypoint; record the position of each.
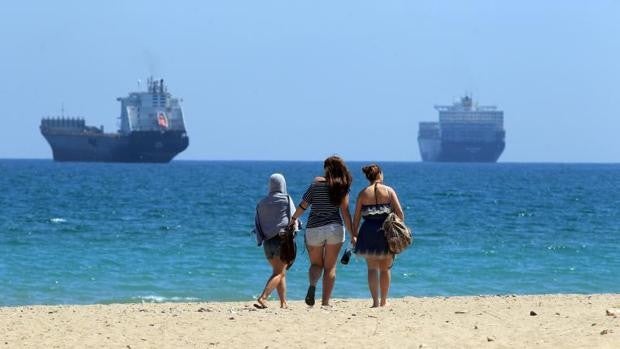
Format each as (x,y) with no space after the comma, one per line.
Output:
(466,113)
(152,110)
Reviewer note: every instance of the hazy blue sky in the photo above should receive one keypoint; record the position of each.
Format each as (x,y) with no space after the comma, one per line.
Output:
(302,80)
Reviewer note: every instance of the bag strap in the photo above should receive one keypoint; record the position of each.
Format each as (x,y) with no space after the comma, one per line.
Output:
(288,212)
(376,200)
(389,194)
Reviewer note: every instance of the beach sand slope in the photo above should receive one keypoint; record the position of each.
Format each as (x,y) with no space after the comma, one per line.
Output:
(545,321)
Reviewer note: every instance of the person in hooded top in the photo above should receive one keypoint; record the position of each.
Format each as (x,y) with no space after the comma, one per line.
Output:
(273,214)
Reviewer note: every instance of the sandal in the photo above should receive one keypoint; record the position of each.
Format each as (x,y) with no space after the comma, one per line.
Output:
(310,295)
(260,304)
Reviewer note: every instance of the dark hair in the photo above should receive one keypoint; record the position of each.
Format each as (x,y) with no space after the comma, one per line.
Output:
(338,179)
(372,172)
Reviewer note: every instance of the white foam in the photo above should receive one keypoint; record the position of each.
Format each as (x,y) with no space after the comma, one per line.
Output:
(58,220)
(161,299)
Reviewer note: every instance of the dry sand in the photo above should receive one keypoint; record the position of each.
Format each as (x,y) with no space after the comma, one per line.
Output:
(560,321)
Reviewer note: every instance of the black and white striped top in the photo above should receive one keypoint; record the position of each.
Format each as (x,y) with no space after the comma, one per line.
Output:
(322,212)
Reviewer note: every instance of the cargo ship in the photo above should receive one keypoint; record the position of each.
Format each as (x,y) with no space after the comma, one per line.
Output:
(152,129)
(466,132)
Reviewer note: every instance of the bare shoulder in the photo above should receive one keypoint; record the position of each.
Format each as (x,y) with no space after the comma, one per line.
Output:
(364,196)
(318,179)
(388,188)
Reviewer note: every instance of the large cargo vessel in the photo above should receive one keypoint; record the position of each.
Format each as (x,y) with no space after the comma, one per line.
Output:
(152,129)
(465,132)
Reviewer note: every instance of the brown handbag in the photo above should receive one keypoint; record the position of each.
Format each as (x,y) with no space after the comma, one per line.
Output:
(397,234)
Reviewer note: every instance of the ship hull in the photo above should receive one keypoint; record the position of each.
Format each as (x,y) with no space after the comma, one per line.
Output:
(435,150)
(145,146)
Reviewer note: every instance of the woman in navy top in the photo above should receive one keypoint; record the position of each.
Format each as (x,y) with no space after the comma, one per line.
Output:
(374,203)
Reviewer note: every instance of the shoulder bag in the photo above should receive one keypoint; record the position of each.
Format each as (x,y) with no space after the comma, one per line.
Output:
(288,247)
(397,234)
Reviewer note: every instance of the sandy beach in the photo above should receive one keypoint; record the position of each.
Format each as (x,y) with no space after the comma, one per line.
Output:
(546,321)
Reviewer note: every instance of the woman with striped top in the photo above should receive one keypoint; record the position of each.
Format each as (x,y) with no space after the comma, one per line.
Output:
(328,200)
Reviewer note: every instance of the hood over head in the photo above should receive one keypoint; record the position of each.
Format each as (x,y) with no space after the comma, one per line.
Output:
(277,184)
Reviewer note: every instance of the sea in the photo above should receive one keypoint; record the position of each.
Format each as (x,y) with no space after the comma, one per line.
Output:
(96,233)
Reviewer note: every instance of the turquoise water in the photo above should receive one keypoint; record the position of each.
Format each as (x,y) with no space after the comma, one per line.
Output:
(100,233)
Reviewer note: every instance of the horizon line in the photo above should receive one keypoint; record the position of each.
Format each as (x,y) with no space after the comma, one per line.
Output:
(319,160)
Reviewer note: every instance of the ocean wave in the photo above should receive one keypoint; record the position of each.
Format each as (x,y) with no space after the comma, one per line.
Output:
(162,299)
(58,220)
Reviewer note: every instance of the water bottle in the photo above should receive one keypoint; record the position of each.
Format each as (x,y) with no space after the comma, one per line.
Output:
(346,256)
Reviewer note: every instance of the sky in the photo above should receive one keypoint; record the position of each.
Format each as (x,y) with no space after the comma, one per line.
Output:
(302,80)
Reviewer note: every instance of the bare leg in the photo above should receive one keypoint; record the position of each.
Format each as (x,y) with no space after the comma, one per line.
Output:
(278,273)
(329,270)
(316,264)
(314,272)
(385,278)
(282,292)
(373,280)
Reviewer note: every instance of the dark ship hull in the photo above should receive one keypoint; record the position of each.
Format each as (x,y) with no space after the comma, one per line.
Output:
(437,151)
(465,132)
(152,129)
(143,146)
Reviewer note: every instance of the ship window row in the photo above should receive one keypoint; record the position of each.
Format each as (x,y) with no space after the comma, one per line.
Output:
(470,119)
(471,116)
(467,127)
(477,123)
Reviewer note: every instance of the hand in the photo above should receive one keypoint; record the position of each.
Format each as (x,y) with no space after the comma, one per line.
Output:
(353,240)
(293,222)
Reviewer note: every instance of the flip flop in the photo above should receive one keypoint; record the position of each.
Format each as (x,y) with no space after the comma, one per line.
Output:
(310,295)
(259,306)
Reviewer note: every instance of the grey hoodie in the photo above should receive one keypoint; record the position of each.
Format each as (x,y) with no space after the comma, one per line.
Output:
(273,212)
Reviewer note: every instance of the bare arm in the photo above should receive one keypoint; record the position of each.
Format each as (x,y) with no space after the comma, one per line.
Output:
(357,216)
(396,205)
(292,210)
(303,206)
(346,215)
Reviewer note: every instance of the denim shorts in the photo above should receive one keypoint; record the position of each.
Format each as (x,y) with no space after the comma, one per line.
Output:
(272,247)
(330,234)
